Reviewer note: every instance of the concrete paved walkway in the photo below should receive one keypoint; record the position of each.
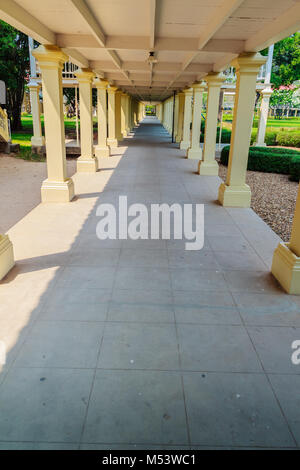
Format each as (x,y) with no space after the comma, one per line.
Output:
(141,344)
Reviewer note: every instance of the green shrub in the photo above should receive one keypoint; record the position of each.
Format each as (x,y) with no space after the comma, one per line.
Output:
(295,168)
(288,139)
(268,160)
(225,155)
(226,135)
(253,136)
(270,137)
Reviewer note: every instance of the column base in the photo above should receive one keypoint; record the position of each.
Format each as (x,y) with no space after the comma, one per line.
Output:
(208,168)
(101,152)
(184,145)
(234,196)
(195,154)
(6,256)
(57,191)
(112,142)
(256,144)
(87,165)
(38,141)
(177,140)
(286,268)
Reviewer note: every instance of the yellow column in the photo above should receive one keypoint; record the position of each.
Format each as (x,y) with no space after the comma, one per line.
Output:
(162,112)
(176,115)
(135,122)
(86,162)
(286,259)
(263,118)
(159,111)
(57,187)
(127,115)
(123,114)
(195,150)
(129,110)
(235,192)
(112,140)
(180,116)
(209,166)
(186,135)
(118,116)
(6,256)
(102,149)
(37,139)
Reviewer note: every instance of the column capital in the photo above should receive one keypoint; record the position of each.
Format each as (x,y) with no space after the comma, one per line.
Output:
(85,75)
(34,86)
(249,62)
(188,91)
(50,56)
(266,92)
(215,79)
(102,84)
(112,89)
(199,86)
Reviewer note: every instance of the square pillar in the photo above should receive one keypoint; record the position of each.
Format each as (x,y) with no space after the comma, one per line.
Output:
(123,115)
(286,259)
(178,136)
(176,111)
(195,150)
(118,116)
(86,163)
(263,118)
(57,187)
(186,135)
(102,149)
(127,115)
(37,140)
(209,166)
(235,192)
(112,140)
(6,256)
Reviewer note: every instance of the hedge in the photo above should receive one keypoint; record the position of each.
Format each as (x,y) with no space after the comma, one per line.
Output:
(295,168)
(273,136)
(226,135)
(270,137)
(288,139)
(270,160)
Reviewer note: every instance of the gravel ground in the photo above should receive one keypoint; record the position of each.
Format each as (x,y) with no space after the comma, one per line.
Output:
(273,199)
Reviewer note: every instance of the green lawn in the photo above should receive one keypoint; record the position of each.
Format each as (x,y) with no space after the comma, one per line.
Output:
(23,137)
(287,123)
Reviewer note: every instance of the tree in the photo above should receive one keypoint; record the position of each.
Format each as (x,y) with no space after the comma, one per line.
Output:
(286,61)
(14,70)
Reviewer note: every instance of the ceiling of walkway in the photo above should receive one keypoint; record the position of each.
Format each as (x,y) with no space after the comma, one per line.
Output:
(189,37)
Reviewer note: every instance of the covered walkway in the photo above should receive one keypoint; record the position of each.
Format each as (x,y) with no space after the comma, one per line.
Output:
(141,344)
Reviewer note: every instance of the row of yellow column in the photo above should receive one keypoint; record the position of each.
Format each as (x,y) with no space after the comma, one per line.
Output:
(187,108)
(118,114)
